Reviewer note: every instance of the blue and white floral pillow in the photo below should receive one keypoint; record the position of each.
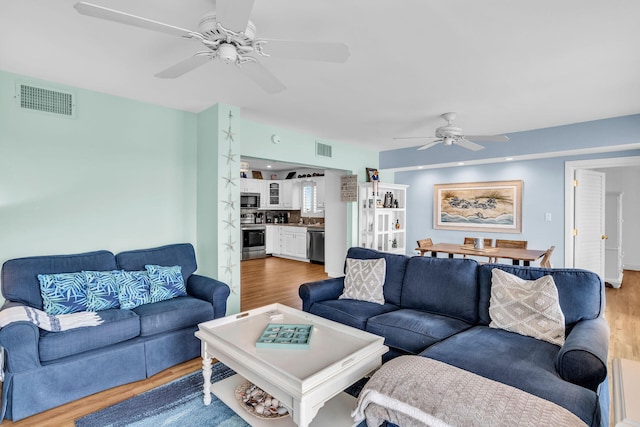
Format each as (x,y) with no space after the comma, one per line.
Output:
(133,288)
(166,282)
(63,293)
(102,290)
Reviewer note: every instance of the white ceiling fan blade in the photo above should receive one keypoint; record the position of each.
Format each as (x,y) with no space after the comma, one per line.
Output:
(314,51)
(494,138)
(262,77)
(468,144)
(431,144)
(128,19)
(185,66)
(234,14)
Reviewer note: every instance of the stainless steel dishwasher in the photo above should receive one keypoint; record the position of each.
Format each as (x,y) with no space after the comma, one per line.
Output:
(315,245)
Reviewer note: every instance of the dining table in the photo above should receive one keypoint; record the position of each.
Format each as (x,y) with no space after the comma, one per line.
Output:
(516,255)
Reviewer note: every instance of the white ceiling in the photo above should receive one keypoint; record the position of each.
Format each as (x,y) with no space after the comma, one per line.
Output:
(502,65)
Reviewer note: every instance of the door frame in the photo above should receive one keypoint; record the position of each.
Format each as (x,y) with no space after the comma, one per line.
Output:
(569,205)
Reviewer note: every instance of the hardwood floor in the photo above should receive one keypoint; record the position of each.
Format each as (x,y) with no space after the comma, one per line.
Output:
(271,280)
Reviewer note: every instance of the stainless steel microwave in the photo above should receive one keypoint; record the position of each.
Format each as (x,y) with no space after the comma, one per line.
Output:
(249,200)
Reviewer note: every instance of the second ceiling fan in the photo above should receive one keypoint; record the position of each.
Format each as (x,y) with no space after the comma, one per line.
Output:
(450,135)
(228,34)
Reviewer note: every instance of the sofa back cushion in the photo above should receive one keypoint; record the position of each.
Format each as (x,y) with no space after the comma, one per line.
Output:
(181,254)
(20,276)
(581,292)
(395,270)
(442,286)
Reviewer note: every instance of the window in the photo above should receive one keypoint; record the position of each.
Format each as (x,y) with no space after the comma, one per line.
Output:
(309,198)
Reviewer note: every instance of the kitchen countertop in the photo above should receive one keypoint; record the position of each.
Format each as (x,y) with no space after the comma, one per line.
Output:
(291,224)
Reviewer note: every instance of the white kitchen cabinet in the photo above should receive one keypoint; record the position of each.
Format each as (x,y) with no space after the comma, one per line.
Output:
(273,194)
(293,242)
(248,185)
(383,228)
(272,239)
(286,194)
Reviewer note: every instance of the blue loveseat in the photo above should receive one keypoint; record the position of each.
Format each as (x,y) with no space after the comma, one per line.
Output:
(47,369)
(439,308)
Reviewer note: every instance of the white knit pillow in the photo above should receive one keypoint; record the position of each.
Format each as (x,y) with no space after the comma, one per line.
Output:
(527,307)
(364,280)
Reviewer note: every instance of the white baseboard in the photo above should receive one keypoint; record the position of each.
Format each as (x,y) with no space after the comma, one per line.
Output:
(635,267)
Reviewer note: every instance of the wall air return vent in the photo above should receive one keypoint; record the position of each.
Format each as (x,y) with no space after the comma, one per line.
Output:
(45,100)
(323,150)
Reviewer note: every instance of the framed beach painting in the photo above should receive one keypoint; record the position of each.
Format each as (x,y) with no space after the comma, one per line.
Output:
(494,206)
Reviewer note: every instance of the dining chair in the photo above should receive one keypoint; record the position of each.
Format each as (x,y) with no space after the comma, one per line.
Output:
(546,258)
(505,243)
(424,243)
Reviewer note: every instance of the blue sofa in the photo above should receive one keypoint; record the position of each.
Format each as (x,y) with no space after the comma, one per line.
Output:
(439,308)
(45,369)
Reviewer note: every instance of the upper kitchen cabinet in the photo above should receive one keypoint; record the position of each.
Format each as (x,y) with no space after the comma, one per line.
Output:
(290,194)
(248,185)
(273,194)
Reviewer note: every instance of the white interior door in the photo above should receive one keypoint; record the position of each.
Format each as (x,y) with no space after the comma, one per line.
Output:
(589,235)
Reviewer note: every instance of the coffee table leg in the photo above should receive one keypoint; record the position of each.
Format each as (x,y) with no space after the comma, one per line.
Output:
(206,373)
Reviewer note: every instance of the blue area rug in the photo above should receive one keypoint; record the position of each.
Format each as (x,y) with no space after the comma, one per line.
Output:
(176,404)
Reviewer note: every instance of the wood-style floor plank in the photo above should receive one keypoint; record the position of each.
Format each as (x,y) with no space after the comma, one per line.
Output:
(269,280)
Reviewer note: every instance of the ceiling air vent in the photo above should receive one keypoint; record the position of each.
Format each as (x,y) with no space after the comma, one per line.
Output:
(323,150)
(45,100)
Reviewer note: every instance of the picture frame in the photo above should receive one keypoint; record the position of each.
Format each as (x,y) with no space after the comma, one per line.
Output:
(370,172)
(256,174)
(493,206)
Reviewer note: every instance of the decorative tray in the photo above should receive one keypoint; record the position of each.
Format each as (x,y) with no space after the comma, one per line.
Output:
(285,336)
(259,403)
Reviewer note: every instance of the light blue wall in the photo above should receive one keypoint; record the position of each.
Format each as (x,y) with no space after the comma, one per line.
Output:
(543,192)
(118,176)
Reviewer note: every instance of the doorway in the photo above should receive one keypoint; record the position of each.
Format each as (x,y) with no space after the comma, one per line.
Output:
(570,207)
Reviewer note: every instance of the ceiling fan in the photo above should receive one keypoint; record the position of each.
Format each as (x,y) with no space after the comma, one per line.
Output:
(449,135)
(228,34)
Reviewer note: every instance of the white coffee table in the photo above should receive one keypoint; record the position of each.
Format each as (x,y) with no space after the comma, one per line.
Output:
(303,380)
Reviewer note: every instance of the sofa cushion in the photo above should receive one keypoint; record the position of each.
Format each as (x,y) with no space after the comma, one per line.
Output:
(20,276)
(527,307)
(412,331)
(581,292)
(119,325)
(133,288)
(443,286)
(516,360)
(395,269)
(102,290)
(172,314)
(364,280)
(63,293)
(166,282)
(181,254)
(350,312)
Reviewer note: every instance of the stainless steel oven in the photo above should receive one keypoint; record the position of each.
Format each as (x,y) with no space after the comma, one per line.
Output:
(253,241)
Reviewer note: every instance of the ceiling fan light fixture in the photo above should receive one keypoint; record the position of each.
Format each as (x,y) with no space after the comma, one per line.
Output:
(227,53)
(448,140)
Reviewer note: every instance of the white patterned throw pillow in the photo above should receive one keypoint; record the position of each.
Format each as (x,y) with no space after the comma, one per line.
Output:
(527,307)
(364,280)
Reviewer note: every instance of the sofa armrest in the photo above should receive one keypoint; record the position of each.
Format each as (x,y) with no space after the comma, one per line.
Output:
(211,290)
(582,360)
(320,291)
(20,340)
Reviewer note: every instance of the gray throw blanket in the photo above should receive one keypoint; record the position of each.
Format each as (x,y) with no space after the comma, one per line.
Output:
(416,391)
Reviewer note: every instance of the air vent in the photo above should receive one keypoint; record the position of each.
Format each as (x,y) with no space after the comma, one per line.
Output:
(323,150)
(45,100)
